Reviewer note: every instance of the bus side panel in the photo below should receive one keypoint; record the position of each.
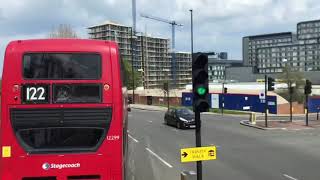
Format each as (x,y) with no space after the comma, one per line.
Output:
(117,108)
(9,95)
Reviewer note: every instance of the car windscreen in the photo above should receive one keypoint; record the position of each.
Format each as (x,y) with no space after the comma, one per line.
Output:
(61,66)
(185,112)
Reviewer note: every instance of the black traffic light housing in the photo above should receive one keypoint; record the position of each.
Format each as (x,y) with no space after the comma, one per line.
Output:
(225,90)
(308,87)
(165,86)
(200,82)
(271,84)
(291,90)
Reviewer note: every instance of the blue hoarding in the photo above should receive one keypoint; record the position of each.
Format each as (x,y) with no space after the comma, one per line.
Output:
(241,102)
(314,104)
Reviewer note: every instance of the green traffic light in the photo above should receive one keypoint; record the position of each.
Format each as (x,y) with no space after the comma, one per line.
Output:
(201,91)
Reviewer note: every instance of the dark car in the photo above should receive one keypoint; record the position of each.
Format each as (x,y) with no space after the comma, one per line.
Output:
(180,118)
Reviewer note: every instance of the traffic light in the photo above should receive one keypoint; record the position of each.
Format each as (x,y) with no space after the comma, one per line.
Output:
(200,82)
(308,87)
(165,86)
(225,90)
(291,90)
(270,84)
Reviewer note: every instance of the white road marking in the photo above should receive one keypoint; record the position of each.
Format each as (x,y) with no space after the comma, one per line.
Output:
(157,156)
(175,130)
(150,121)
(133,138)
(289,177)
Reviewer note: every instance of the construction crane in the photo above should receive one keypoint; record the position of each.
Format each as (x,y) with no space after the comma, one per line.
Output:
(173,24)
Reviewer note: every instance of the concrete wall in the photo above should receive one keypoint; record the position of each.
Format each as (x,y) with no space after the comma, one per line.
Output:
(158,100)
(285,108)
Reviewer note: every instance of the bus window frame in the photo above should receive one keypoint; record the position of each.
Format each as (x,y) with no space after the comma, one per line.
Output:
(57,79)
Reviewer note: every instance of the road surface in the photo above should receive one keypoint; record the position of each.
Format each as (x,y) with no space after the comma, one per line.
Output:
(243,153)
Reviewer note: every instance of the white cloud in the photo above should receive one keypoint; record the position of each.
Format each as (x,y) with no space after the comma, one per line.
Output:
(218,24)
(6,39)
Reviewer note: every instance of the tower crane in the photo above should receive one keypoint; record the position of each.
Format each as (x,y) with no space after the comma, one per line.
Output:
(173,24)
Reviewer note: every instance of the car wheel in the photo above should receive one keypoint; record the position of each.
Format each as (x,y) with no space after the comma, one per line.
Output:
(178,125)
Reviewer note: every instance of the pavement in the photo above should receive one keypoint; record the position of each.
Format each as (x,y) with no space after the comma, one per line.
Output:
(283,122)
(148,107)
(243,153)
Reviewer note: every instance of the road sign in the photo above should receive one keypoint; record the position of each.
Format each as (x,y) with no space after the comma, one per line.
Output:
(198,154)
(261,95)
(215,101)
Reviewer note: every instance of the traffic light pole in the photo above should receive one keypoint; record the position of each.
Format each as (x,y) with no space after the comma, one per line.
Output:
(266,100)
(290,99)
(222,108)
(197,113)
(307,91)
(198,142)
(307,111)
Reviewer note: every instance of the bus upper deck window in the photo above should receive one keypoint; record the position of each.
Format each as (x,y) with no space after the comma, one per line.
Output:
(62,66)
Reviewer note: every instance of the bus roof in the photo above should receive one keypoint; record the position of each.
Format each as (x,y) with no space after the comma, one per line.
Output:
(47,45)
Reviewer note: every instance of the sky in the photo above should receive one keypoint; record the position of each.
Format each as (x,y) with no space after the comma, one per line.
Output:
(219,25)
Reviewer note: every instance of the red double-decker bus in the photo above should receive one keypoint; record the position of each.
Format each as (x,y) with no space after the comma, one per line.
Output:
(63,111)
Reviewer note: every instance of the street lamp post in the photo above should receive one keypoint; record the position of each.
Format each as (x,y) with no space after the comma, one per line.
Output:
(167,78)
(290,87)
(132,68)
(142,75)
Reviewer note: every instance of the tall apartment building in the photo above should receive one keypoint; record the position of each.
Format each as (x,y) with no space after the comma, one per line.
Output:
(270,53)
(217,68)
(152,55)
(183,69)
(115,32)
(251,44)
(153,52)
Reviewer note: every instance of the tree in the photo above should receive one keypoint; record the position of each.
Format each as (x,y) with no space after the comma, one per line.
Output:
(296,79)
(129,77)
(63,31)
